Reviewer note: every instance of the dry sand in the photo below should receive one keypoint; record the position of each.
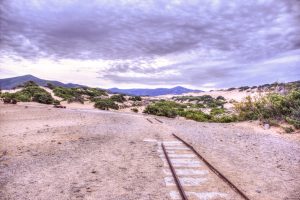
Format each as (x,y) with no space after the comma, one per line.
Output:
(48,153)
(229,95)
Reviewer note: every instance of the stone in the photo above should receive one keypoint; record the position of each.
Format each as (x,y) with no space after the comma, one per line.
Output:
(266,126)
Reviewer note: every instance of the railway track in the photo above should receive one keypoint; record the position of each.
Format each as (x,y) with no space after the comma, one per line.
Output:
(190,176)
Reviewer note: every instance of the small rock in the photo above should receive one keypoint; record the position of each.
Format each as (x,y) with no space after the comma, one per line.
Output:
(266,126)
(94,172)
(59,143)
(258,191)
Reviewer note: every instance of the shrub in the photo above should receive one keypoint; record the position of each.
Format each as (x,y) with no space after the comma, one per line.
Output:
(77,98)
(230,89)
(118,98)
(272,107)
(164,108)
(225,118)
(195,115)
(30,92)
(288,129)
(135,98)
(106,104)
(65,93)
(205,100)
(221,98)
(56,102)
(50,86)
(23,97)
(9,97)
(243,88)
(135,110)
(217,111)
(29,84)
(76,94)
(94,92)
(44,98)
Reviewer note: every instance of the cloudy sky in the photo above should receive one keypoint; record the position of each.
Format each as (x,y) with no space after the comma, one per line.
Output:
(152,43)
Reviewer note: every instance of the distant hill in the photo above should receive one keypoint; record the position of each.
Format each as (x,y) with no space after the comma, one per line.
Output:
(10,83)
(153,92)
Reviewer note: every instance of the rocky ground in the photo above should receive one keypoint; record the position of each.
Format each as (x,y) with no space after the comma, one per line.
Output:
(48,153)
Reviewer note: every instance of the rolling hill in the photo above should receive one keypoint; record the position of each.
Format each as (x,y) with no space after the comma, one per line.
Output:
(10,83)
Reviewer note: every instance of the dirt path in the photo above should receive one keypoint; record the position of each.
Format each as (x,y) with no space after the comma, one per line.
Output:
(69,154)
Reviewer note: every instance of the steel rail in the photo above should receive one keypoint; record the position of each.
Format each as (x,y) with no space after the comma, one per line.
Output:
(158,120)
(149,120)
(213,169)
(177,181)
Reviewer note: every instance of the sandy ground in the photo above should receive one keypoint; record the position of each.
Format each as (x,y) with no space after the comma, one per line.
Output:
(235,95)
(229,95)
(48,153)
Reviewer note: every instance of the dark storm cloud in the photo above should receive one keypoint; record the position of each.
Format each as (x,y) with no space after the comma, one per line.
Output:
(237,32)
(102,29)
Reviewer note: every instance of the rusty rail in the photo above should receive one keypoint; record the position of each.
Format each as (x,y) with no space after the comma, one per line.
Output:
(177,181)
(213,169)
(158,120)
(149,120)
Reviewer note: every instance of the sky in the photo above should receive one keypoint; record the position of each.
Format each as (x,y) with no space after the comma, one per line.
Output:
(204,44)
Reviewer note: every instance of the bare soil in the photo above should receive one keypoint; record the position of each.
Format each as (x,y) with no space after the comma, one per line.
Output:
(48,153)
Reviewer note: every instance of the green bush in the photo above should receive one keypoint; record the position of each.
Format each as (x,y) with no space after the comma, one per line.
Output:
(28,84)
(29,93)
(273,106)
(76,94)
(224,118)
(50,86)
(77,98)
(65,93)
(217,111)
(135,98)
(44,98)
(203,101)
(118,98)
(195,115)
(56,102)
(8,97)
(23,97)
(164,108)
(106,104)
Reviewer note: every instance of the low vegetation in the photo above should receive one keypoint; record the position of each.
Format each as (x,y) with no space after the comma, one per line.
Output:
(135,98)
(134,110)
(165,108)
(29,92)
(205,101)
(78,94)
(273,108)
(106,104)
(118,98)
(271,87)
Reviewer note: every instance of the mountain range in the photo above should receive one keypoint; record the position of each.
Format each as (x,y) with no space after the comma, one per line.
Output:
(153,92)
(10,83)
